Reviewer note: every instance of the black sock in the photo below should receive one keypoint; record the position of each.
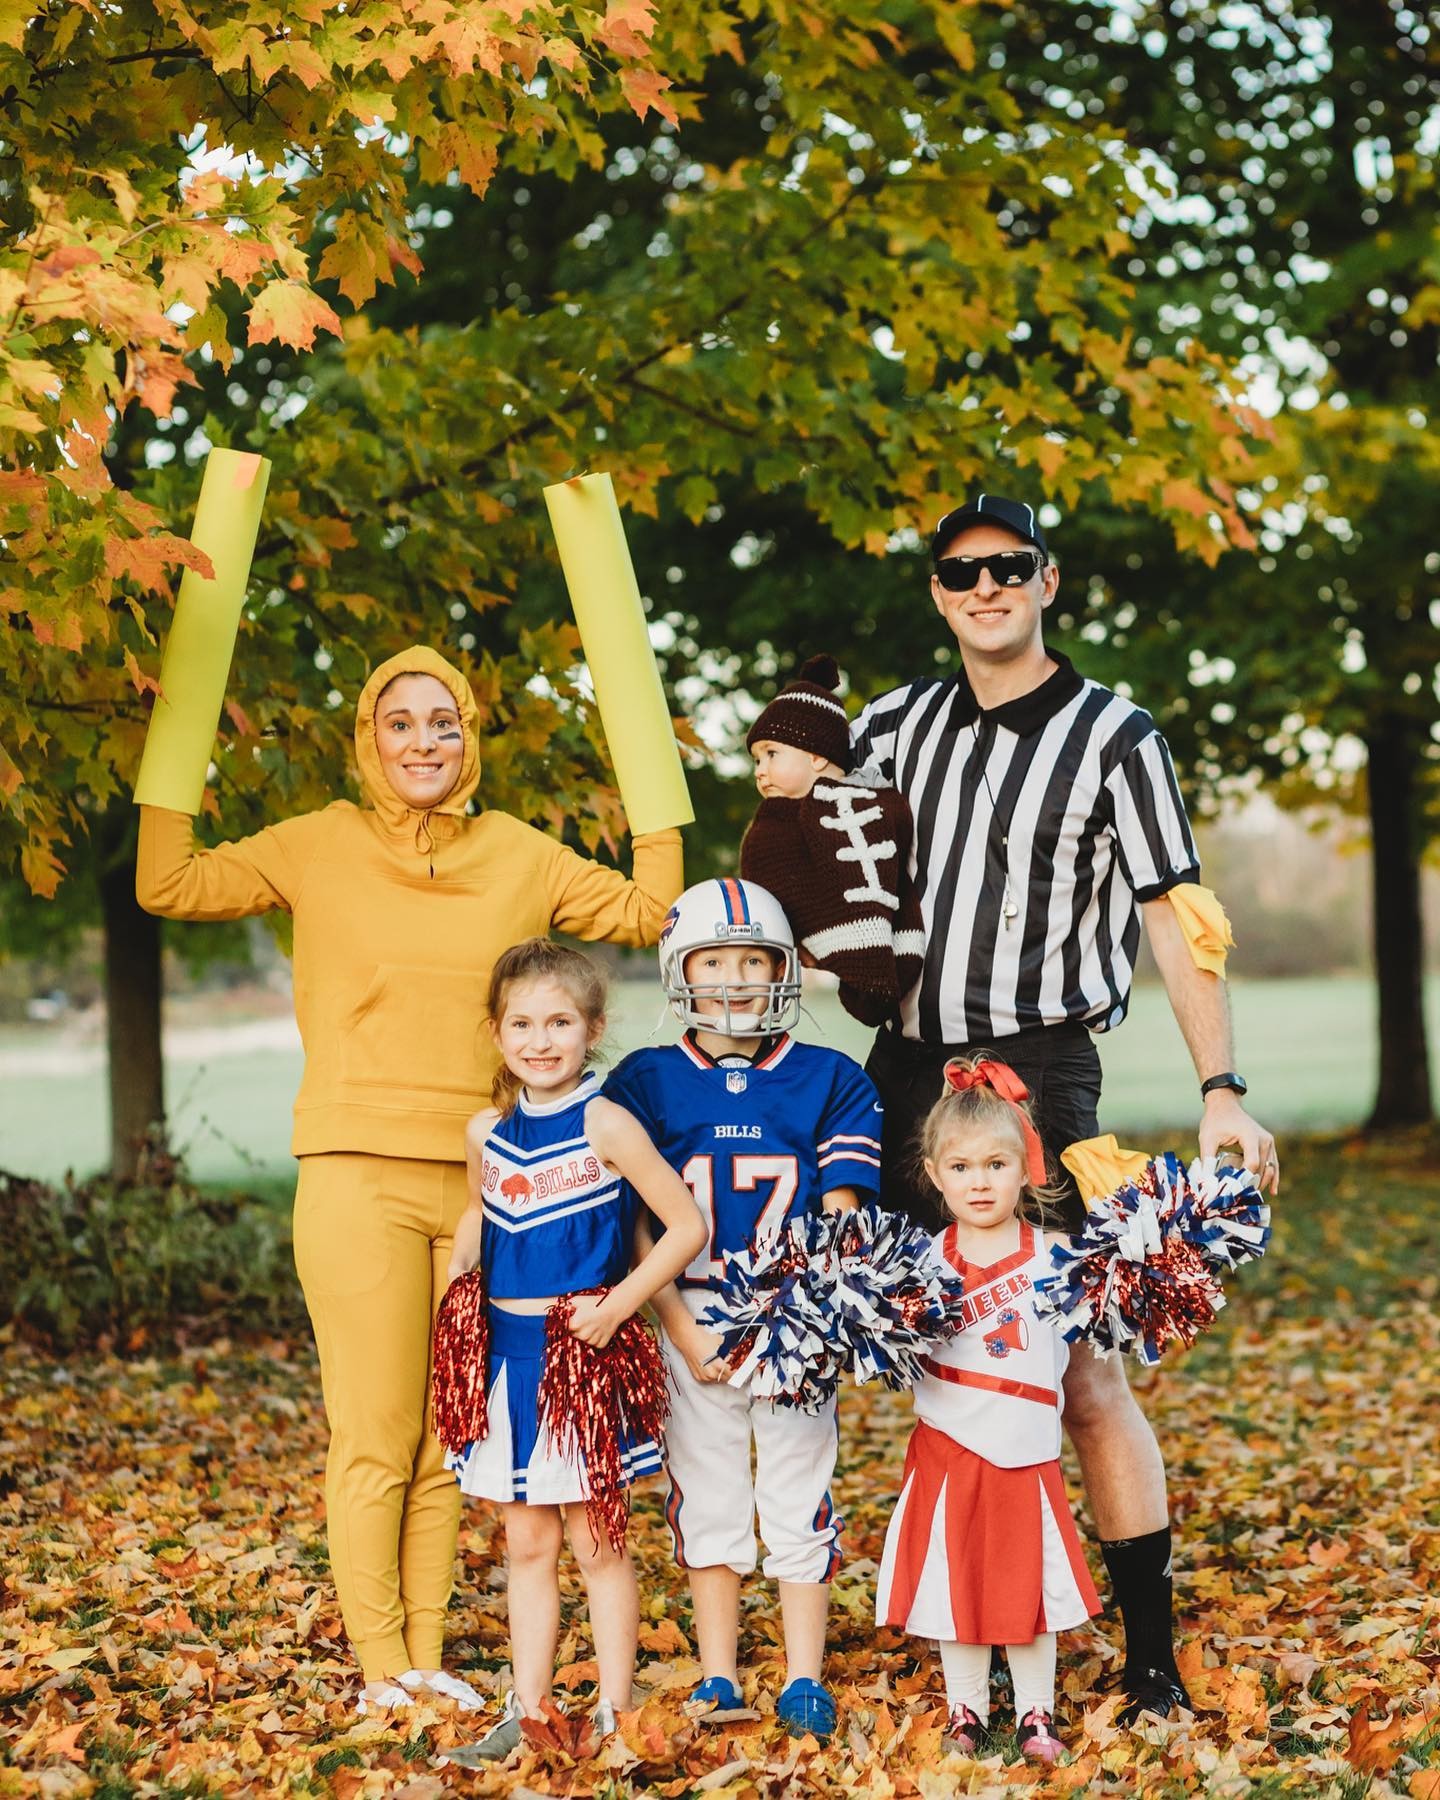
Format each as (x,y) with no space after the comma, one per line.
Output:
(1140,1577)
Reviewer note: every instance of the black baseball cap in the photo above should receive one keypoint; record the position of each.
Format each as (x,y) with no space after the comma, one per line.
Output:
(990,509)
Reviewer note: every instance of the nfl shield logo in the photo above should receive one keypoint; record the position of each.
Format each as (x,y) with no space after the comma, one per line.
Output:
(735,1081)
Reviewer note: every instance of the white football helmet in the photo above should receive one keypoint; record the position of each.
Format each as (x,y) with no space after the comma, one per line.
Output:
(728,911)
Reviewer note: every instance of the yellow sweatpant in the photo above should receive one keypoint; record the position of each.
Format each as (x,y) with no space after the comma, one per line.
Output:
(372,1247)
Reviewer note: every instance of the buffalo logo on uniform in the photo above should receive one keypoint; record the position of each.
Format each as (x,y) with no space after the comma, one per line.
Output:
(517,1189)
(1009,1335)
(735,1081)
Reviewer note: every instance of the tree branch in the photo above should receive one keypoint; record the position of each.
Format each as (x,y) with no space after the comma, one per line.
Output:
(523,433)
(166,53)
(116,709)
(676,404)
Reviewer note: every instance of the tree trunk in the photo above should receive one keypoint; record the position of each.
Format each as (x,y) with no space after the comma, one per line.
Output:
(132,995)
(1403,1094)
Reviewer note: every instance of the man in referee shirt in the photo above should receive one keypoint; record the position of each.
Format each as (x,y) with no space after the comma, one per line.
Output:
(1048,823)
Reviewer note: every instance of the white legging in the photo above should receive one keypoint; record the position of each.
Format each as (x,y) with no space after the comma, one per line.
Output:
(1032,1670)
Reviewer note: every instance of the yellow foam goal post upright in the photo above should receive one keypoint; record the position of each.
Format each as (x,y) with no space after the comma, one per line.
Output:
(589,534)
(195,666)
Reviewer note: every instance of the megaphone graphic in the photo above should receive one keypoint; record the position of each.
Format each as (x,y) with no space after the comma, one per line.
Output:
(1010,1334)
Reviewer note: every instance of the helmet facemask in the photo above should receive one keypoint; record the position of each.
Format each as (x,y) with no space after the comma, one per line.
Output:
(747,1008)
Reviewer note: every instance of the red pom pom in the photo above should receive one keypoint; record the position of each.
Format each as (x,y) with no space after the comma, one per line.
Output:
(460,1359)
(593,1401)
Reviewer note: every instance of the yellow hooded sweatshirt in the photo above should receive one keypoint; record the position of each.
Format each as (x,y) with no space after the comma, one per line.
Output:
(399,917)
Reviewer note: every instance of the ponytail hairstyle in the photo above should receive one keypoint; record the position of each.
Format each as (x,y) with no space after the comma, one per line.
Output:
(981,1093)
(538,959)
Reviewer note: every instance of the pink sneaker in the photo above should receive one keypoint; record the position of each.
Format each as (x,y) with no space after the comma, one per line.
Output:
(963,1734)
(1036,1736)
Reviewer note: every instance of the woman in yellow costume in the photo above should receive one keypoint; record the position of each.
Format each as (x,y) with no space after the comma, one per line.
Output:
(400,907)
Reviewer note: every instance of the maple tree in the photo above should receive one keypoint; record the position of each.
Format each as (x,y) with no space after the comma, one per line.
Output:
(875,280)
(168,1623)
(165,173)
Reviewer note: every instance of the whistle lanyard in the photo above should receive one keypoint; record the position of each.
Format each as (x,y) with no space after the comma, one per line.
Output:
(1009,908)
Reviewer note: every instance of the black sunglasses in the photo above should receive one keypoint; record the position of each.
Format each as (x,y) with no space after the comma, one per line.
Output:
(1008,568)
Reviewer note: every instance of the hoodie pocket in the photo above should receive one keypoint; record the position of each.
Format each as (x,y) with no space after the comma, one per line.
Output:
(416,1030)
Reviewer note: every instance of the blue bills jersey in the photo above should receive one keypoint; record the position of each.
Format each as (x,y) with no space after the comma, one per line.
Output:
(756,1143)
(557,1221)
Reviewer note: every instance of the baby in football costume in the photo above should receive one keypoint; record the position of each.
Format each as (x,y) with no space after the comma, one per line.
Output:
(834,853)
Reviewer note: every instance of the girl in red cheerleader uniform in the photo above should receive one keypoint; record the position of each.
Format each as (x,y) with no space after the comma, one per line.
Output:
(981,1548)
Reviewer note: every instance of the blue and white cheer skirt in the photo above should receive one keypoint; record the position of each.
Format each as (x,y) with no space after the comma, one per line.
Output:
(518,1460)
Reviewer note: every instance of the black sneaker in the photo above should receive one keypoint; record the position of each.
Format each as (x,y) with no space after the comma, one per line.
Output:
(1159,1692)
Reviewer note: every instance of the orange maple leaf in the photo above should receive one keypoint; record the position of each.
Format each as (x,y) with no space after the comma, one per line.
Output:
(665,1639)
(240,719)
(1327,1556)
(42,869)
(576,1674)
(555,1730)
(68,257)
(470,153)
(139,680)
(1185,496)
(290,313)
(643,88)
(65,1742)
(1374,1748)
(627,27)
(1240,1691)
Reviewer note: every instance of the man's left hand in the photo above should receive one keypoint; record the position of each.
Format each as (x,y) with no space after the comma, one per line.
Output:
(1226,1122)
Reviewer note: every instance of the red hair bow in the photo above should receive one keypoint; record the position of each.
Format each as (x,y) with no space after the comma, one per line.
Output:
(1001,1079)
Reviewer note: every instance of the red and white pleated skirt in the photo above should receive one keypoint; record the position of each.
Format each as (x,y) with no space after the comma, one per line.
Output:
(978,1554)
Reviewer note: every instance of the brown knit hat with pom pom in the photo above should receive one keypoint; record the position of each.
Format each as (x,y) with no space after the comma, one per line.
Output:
(807,713)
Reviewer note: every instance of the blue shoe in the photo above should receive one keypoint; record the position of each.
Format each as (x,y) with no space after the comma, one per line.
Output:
(806,1706)
(715,1694)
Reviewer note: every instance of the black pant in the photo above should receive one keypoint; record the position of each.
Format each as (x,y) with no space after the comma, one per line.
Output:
(1058,1063)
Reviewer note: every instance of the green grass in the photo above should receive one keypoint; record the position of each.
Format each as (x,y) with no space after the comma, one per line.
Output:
(1307,1047)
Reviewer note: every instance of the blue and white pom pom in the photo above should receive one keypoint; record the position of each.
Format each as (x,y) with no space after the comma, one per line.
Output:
(771,1315)
(1144,1271)
(855,1292)
(893,1299)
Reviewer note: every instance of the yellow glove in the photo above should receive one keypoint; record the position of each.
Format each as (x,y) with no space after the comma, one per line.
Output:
(1202,919)
(1099,1165)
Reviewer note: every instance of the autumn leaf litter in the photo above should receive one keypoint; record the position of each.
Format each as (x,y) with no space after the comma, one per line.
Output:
(167,1625)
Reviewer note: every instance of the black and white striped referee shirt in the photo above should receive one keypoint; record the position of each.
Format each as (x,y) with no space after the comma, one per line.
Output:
(1081,783)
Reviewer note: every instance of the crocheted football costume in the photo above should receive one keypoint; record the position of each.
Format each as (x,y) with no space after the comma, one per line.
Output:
(838,858)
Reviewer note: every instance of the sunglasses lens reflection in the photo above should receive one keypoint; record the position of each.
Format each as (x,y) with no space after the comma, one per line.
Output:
(1008,568)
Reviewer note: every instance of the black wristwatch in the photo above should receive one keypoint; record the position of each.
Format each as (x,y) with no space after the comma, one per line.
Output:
(1228,1080)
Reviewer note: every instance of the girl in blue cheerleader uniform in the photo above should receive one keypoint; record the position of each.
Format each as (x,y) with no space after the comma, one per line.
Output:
(981,1549)
(556,1173)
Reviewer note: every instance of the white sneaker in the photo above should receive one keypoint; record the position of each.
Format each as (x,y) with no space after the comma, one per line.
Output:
(446,1687)
(390,1698)
(603,1718)
(498,1742)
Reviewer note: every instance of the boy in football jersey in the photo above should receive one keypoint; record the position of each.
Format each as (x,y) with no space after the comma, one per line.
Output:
(761,1129)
